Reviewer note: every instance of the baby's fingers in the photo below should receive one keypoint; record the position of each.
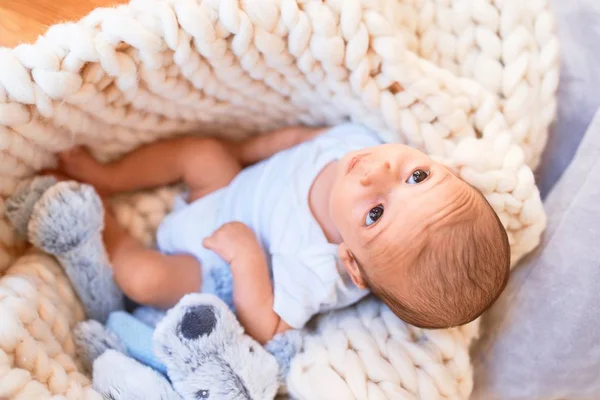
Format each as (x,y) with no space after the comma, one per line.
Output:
(216,244)
(211,243)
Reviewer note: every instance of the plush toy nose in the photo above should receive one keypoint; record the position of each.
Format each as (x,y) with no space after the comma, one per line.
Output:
(198,321)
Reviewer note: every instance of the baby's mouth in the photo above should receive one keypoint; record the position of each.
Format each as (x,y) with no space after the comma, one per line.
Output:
(354,161)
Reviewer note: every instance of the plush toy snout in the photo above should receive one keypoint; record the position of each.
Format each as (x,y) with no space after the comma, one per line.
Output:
(206,353)
(198,321)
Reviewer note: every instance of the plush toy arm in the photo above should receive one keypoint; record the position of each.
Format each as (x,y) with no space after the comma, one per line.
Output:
(65,219)
(117,376)
(92,339)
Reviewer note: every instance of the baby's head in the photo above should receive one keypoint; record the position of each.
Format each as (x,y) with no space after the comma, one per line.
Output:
(425,242)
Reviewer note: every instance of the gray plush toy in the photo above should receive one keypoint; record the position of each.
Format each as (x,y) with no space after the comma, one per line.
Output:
(201,344)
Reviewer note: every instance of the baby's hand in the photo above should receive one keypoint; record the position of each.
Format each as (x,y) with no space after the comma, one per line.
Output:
(233,240)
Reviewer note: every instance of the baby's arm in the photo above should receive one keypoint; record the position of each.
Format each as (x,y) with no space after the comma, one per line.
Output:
(252,290)
(258,148)
(199,162)
(202,163)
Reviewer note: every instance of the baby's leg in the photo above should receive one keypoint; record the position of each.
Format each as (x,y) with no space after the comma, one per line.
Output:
(147,276)
(203,164)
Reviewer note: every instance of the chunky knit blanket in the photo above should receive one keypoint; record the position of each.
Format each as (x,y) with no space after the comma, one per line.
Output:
(471,82)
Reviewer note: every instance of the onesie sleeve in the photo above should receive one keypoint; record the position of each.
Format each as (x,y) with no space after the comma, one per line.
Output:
(310,283)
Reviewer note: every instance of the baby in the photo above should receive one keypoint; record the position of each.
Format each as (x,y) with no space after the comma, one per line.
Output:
(324,218)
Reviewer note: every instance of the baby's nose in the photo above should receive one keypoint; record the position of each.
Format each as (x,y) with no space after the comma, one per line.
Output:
(385,166)
(377,173)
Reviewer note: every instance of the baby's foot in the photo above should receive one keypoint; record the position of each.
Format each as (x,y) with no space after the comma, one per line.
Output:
(207,355)
(79,165)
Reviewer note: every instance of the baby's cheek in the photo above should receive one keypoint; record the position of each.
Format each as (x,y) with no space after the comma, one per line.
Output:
(336,209)
(343,213)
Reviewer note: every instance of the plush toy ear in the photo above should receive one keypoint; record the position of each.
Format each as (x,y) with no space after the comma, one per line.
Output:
(351,266)
(198,321)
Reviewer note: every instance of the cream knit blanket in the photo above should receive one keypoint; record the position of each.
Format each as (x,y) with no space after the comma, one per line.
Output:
(471,82)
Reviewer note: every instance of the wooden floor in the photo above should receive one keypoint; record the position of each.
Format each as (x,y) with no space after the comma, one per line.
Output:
(23,20)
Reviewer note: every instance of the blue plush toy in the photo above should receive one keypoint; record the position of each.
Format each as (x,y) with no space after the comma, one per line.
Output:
(197,350)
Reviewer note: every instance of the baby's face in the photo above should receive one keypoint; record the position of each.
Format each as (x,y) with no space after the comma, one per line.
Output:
(384,197)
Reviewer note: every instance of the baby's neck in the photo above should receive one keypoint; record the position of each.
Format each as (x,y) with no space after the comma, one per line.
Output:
(318,201)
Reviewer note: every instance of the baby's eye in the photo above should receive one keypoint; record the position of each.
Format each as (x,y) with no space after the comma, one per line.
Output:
(374,215)
(417,176)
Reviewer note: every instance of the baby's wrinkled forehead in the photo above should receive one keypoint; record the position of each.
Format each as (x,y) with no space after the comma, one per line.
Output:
(459,201)
(404,244)
(447,205)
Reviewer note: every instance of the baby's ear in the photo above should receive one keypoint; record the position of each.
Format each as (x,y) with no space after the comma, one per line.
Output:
(351,266)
